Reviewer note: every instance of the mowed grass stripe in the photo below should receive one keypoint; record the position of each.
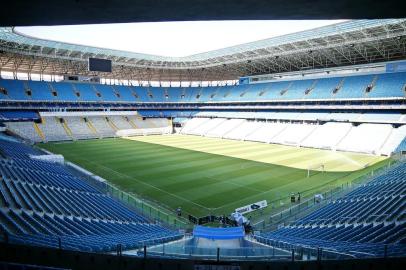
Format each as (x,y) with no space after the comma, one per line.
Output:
(192,170)
(197,180)
(150,189)
(245,150)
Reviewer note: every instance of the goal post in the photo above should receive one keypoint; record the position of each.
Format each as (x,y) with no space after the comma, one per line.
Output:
(314,169)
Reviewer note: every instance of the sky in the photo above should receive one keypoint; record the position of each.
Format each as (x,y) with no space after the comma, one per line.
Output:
(174,39)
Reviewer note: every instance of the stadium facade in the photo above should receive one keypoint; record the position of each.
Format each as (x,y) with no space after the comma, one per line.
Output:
(339,89)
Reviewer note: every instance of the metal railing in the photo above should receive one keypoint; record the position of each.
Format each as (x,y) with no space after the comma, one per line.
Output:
(153,211)
(286,216)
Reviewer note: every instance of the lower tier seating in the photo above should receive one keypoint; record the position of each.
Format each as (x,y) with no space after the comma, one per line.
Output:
(43,203)
(52,128)
(377,139)
(369,221)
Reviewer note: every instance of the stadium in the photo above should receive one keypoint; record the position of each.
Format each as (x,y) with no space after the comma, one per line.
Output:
(282,153)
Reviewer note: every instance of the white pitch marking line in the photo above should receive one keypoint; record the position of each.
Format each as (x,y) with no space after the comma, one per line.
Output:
(142,182)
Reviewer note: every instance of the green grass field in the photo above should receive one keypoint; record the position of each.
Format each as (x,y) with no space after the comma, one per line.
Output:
(207,175)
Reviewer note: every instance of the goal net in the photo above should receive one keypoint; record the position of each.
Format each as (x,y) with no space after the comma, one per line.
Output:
(314,169)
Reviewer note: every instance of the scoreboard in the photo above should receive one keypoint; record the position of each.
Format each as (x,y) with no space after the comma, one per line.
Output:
(101,65)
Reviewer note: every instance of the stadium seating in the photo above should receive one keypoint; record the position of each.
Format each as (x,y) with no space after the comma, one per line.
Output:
(151,126)
(108,93)
(226,123)
(189,126)
(65,91)
(378,139)
(53,129)
(86,92)
(120,122)
(42,203)
(25,130)
(388,85)
(381,85)
(39,91)
(367,138)
(292,116)
(79,128)
(101,126)
(354,86)
(266,132)
(126,93)
(15,90)
(394,142)
(18,115)
(95,126)
(221,130)
(324,88)
(401,147)
(207,126)
(243,130)
(293,134)
(326,130)
(361,223)
(327,136)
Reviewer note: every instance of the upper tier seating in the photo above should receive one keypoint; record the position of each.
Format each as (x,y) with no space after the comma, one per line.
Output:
(65,91)
(360,223)
(42,203)
(354,86)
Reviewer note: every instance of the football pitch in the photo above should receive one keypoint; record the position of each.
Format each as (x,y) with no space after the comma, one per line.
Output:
(209,175)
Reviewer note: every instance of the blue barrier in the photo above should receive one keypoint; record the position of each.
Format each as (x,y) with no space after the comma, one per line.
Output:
(218,233)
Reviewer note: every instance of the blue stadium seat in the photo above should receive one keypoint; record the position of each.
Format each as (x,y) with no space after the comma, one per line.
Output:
(360,223)
(40,90)
(65,91)
(15,89)
(42,203)
(19,115)
(355,86)
(107,92)
(87,92)
(389,85)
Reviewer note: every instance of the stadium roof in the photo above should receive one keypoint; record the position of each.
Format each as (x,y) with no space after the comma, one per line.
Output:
(68,12)
(347,43)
